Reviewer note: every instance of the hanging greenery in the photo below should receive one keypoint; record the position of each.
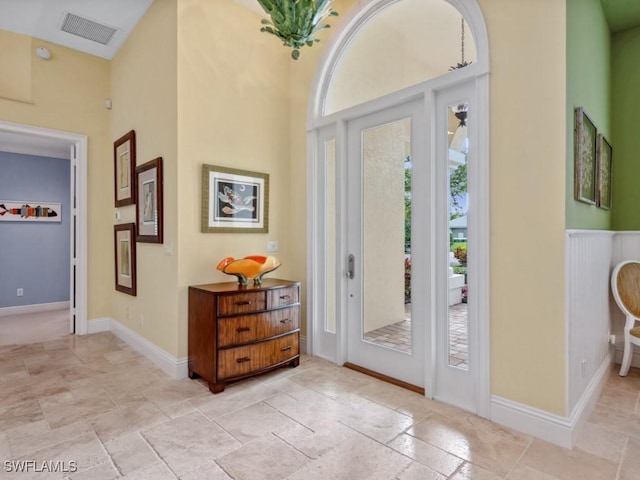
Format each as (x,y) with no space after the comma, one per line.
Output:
(296,22)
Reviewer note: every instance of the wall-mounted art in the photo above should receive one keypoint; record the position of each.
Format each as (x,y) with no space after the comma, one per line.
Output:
(585,158)
(149,209)
(124,158)
(125,257)
(234,200)
(605,164)
(17,211)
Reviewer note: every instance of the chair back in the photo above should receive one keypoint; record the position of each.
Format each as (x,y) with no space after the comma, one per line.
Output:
(625,284)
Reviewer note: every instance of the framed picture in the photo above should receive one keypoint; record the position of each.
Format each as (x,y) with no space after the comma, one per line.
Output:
(585,158)
(234,200)
(25,211)
(125,257)
(149,208)
(124,159)
(605,163)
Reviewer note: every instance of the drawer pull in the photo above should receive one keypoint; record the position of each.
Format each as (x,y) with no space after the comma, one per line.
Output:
(286,320)
(285,297)
(243,329)
(243,303)
(243,359)
(284,349)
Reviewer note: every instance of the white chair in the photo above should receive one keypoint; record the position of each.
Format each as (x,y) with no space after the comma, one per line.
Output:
(625,284)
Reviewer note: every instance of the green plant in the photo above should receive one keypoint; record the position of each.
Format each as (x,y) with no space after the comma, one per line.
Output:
(461,254)
(455,245)
(296,22)
(459,270)
(407,280)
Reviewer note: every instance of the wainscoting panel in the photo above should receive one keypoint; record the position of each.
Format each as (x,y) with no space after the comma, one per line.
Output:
(589,257)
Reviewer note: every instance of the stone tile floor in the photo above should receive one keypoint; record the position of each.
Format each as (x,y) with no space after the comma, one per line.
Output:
(93,401)
(398,335)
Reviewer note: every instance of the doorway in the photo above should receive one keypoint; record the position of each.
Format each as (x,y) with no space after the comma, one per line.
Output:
(23,136)
(359,248)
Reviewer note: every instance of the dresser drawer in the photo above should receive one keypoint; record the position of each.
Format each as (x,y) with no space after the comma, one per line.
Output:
(241,303)
(257,326)
(282,297)
(234,362)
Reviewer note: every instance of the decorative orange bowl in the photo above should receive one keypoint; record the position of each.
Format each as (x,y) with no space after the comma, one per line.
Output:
(253,267)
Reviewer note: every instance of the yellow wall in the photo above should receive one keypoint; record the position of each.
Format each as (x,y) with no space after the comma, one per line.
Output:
(15,51)
(233,97)
(144,96)
(527,101)
(68,93)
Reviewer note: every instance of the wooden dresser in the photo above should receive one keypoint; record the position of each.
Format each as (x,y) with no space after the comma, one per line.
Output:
(236,332)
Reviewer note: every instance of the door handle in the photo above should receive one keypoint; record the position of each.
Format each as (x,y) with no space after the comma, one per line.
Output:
(351,266)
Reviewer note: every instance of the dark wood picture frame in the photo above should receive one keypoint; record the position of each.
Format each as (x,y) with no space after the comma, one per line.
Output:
(124,164)
(585,169)
(605,169)
(149,210)
(234,201)
(125,257)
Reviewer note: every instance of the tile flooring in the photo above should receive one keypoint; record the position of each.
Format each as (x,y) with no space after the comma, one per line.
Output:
(398,335)
(93,401)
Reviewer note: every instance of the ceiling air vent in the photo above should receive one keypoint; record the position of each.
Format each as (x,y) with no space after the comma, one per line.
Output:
(88,29)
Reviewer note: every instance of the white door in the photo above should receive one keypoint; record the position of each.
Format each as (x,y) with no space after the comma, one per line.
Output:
(386,260)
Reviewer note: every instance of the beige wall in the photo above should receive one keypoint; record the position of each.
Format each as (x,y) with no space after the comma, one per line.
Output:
(233,96)
(144,95)
(527,100)
(68,93)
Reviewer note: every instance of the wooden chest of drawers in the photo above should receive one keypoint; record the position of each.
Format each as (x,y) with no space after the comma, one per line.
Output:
(236,332)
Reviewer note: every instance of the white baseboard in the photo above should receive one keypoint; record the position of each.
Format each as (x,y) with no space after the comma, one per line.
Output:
(303,344)
(547,426)
(36,308)
(635,359)
(172,366)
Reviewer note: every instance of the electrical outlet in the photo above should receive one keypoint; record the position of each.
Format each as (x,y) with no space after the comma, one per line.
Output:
(273,246)
(612,339)
(20,292)
(141,320)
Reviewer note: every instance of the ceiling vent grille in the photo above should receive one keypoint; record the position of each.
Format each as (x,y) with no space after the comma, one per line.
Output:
(88,29)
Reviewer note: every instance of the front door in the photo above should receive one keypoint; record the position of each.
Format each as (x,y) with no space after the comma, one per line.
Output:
(386,262)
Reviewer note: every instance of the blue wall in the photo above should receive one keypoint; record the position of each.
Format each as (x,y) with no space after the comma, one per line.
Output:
(34,256)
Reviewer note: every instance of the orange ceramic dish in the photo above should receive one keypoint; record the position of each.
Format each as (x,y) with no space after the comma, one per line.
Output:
(248,268)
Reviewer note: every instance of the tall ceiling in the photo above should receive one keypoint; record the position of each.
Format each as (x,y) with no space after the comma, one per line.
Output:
(43,19)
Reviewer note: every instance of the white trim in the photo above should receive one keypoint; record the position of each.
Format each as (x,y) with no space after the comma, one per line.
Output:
(172,366)
(303,344)
(592,233)
(562,431)
(619,352)
(35,308)
(80,142)
(97,325)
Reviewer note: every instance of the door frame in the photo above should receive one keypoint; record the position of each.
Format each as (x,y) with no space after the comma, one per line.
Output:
(479,225)
(78,196)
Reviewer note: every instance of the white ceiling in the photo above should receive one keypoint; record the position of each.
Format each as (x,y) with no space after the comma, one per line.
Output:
(43,18)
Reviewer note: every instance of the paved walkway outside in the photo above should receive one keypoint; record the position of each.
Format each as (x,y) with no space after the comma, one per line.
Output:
(398,335)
